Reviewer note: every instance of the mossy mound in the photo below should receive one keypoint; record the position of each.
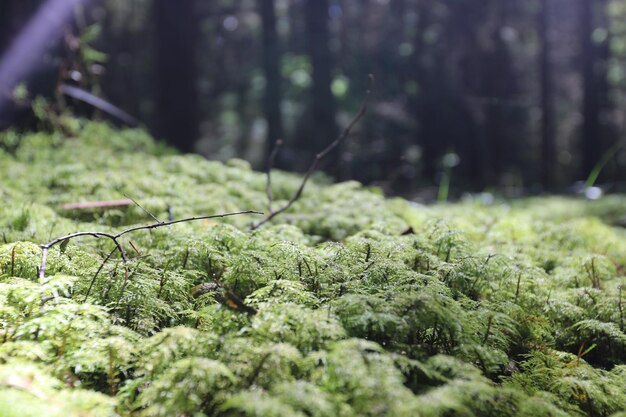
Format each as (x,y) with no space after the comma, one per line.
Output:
(353,304)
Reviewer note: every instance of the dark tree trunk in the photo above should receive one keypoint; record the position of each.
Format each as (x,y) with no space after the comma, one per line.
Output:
(548,145)
(176,99)
(397,35)
(321,126)
(271,68)
(426,136)
(594,88)
(128,51)
(445,120)
(503,125)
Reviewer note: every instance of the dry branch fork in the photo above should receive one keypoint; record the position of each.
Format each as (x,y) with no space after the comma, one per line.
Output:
(314,163)
(115,236)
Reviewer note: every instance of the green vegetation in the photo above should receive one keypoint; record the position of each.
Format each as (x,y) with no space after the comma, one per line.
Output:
(356,305)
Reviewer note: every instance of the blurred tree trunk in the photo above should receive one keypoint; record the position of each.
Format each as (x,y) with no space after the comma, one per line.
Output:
(176,99)
(321,124)
(426,137)
(397,34)
(271,68)
(503,126)
(445,122)
(595,87)
(129,51)
(548,145)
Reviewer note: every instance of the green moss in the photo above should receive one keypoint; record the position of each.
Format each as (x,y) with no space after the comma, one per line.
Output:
(362,305)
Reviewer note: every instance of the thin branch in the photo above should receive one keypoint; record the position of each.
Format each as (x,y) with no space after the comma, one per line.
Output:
(99,103)
(318,157)
(93,280)
(270,166)
(125,284)
(144,209)
(134,248)
(257,369)
(189,219)
(115,236)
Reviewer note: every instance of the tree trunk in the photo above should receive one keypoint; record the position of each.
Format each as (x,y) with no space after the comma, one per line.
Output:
(271,68)
(322,126)
(594,89)
(548,145)
(176,99)
(426,136)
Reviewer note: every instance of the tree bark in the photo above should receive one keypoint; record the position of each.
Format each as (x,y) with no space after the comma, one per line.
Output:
(548,145)
(594,89)
(176,74)
(271,68)
(322,126)
(426,136)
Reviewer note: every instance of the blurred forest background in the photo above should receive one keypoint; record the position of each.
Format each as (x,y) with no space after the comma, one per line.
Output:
(519,96)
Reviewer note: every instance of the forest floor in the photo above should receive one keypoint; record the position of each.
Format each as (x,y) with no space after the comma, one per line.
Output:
(348,304)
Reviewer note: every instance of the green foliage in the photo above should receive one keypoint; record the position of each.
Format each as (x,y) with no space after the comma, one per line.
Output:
(27,390)
(349,304)
(188,385)
(576,387)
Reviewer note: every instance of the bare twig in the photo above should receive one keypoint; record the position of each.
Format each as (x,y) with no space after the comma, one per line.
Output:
(98,103)
(144,209)
(270,166)
(115,236)
(316,160)
(134,248)
(93,280)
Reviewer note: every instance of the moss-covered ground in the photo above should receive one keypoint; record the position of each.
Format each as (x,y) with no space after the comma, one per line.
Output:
(355,304)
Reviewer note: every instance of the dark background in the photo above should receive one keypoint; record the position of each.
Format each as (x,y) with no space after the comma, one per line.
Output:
(517,96)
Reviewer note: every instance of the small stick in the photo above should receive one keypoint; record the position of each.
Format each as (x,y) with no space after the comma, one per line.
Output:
(318,157)
(270,166)
(143,208)
(98,102)
(134,248)
(115,236)
(93,280)
(97,204)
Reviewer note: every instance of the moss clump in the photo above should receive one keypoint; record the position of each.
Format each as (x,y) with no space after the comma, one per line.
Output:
(353,304)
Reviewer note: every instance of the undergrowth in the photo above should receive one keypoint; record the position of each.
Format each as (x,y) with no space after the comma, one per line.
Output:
(353,304)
